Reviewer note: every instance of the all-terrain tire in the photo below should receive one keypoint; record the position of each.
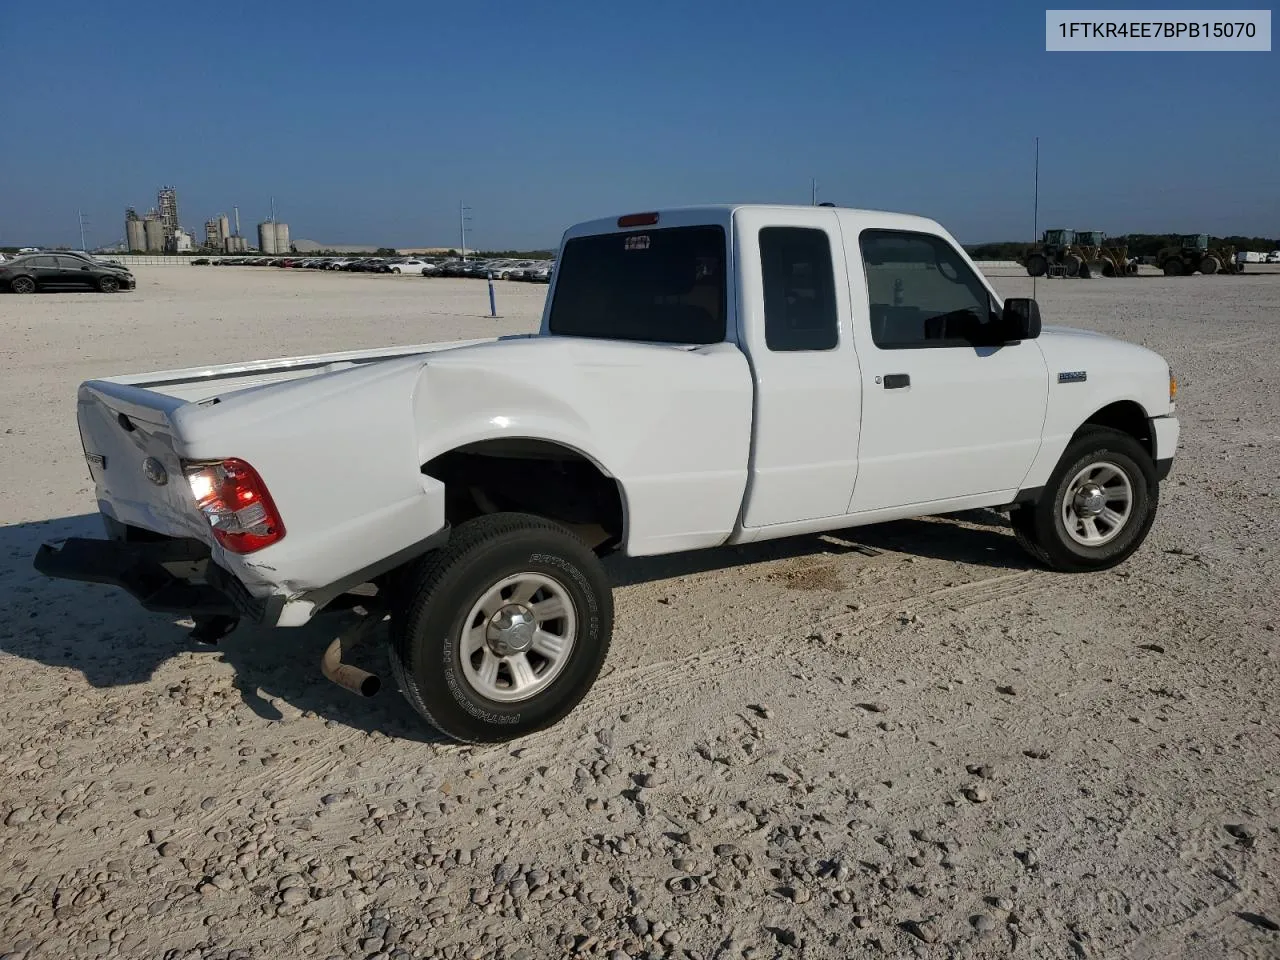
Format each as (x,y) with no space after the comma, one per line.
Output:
(1173,267)
(432,601)
(1040,527)
(1037,265)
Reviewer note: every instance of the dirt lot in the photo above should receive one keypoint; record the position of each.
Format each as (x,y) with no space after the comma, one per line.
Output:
(904,740)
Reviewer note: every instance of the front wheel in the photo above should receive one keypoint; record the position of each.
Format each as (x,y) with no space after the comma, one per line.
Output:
(503,630)
(1096,509)
(108,284)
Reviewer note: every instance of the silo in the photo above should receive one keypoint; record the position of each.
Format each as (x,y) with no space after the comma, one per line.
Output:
(267,237)
(154,231)
(282,238)
(224,228)
(135,235)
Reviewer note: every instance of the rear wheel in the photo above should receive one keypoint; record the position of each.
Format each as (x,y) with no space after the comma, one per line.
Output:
(503,630)
(1071,265)
(22,285)
(108,284)
(1173,268)
(1096,509)
(395,270)
(1037,265)
(1209,266)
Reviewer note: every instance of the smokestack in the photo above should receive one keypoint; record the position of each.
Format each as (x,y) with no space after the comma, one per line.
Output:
(273,209)
(237,209)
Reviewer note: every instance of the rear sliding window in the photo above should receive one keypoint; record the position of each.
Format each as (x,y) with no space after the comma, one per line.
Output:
(799,289)
(662,285)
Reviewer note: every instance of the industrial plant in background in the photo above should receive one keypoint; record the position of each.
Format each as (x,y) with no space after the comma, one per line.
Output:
(160,231)
(273,237)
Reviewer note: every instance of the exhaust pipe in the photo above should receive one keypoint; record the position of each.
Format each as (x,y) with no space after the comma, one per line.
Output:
(360,682)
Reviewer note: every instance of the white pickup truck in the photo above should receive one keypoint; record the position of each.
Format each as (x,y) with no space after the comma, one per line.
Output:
(702,376)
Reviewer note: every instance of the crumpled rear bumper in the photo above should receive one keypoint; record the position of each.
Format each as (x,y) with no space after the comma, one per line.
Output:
(170,576)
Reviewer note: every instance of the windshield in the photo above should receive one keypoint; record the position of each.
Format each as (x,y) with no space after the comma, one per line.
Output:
(663,285)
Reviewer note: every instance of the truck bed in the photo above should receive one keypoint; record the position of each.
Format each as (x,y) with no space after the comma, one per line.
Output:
(197,384)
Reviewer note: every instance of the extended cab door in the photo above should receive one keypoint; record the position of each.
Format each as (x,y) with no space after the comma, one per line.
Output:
(942,417)
(795,326)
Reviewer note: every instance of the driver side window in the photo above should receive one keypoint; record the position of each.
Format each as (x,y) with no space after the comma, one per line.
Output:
(921,293)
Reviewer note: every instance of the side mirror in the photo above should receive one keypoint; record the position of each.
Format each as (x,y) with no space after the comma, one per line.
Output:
(1020,318)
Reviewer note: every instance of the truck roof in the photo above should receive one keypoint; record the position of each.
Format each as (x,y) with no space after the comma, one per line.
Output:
(724,212)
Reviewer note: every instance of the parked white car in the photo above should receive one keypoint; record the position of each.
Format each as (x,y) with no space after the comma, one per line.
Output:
(701,377)
(512,270)
(420,267)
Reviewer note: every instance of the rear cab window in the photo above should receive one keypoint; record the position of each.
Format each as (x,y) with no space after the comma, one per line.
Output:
(664,285)
(799,289)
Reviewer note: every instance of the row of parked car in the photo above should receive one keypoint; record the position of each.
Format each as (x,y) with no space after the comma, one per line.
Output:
(533,271)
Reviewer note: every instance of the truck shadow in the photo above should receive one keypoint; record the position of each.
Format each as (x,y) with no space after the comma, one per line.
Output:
(102,632)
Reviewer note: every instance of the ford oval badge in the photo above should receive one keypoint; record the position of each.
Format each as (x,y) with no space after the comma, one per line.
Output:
(154,471)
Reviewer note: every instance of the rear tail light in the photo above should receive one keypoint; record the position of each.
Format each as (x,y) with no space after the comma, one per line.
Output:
(236,503)
(638,220)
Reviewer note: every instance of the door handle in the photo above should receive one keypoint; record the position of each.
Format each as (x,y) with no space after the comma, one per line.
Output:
(893,381)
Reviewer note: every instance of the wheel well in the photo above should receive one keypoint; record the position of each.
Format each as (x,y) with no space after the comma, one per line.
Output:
(532,476)
(1127,417)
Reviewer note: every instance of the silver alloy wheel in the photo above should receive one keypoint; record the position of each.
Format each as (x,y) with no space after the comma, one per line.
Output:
(518,637)
(1097,505)
(23,285)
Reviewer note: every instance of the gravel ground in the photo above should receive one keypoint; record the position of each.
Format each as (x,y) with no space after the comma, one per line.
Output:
(903,740)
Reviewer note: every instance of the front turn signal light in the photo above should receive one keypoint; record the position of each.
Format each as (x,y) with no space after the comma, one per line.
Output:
(1173,387)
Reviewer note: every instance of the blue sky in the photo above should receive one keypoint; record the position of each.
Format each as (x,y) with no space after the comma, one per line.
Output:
(368,123)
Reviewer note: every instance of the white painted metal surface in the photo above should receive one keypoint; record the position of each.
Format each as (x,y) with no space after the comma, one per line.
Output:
(728,442)
(807,403)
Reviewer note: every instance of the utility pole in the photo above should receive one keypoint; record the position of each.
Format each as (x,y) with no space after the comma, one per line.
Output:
(1035,212)
(463,209)
(813,192)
